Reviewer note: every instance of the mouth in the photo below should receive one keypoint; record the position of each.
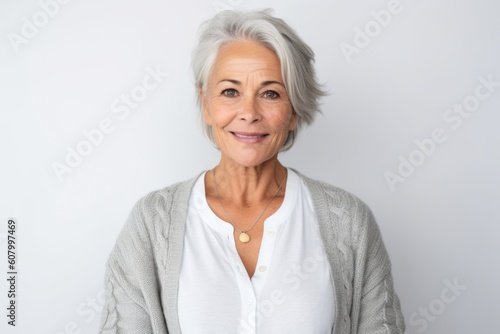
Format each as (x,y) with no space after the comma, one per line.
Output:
(249,137)
(249,134)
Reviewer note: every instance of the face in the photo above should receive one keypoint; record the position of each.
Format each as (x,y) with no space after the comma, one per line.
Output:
(246,104)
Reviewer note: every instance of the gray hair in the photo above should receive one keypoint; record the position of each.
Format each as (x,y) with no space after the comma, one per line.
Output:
(295,56)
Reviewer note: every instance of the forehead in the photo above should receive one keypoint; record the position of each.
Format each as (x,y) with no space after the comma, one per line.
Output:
(244,57)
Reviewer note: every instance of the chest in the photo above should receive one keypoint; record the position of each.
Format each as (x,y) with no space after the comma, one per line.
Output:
(289,291)
(248,229)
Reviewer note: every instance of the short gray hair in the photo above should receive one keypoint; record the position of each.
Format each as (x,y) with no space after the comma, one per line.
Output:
(296,58)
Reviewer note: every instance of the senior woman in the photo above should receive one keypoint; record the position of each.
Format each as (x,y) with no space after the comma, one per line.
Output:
(251,246)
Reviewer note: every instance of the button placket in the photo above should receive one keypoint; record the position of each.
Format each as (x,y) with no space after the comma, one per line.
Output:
(247,295)
(265,256)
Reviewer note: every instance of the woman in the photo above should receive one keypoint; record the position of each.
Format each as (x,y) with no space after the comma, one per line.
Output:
(251,246)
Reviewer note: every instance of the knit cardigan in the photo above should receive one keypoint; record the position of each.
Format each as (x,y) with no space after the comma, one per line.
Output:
(142,272)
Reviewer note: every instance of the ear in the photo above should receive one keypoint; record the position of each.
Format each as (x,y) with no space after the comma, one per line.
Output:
(204,106)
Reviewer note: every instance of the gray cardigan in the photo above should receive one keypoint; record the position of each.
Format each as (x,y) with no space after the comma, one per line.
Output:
(142,272)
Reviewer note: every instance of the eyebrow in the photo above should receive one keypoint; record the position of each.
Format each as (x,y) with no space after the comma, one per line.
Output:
(264,83)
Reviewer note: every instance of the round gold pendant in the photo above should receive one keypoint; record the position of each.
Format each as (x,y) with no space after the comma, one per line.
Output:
(244,237)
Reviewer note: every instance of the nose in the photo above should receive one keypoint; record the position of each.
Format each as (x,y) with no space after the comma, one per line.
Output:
(249,111)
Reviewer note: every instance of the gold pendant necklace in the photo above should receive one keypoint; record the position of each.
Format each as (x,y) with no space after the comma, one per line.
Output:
(244,237)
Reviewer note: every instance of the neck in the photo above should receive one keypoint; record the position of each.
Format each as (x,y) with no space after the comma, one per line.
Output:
(247,186)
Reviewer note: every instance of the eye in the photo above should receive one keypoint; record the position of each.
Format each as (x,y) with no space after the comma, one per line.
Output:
(230,92)
(271,94)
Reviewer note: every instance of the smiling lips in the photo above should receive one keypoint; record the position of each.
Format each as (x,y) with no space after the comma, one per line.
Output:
(249,137)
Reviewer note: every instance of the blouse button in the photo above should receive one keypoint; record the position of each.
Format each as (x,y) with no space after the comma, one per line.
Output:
(270,233)
(262,268)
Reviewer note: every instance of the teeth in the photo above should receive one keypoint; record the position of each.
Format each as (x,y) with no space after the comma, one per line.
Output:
(243,136)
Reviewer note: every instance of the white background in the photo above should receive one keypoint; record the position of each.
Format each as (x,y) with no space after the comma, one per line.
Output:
(440,225)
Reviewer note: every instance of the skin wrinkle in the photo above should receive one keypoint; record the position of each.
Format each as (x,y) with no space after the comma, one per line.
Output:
(248,70)
(246,96)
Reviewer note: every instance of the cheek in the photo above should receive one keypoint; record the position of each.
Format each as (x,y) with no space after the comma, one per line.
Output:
(217,114)
(221,119)
(284,121)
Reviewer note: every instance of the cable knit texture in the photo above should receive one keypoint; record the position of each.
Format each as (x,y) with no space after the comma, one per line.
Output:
(142,273)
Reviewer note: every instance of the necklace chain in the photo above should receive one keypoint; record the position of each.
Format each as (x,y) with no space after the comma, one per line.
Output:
(244,237)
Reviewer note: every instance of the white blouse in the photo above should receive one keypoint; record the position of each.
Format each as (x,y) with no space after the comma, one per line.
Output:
(291,289)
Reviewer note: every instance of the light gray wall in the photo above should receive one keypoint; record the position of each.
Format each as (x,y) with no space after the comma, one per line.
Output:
(438,212)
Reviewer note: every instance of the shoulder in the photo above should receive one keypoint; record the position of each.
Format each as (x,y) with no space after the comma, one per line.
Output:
(168,194)
(152,215)
(333,197)
(164,200)
(342,213)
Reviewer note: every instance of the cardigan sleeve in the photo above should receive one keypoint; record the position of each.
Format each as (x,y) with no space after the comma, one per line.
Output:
(125,307)
(132,303)
(379,306)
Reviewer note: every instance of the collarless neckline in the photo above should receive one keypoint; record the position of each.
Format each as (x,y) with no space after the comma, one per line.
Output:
(224,227)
